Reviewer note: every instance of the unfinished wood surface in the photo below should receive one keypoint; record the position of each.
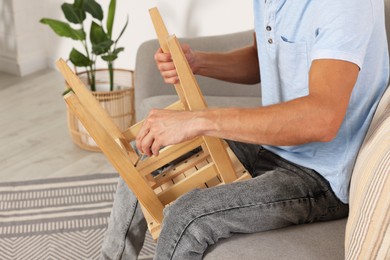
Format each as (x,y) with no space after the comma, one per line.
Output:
(195,100)
(116,155)
(162,35)
(216,166)
(189,85)
(189,91)
(153,226)
(202,175)
(179,169)
(107,135)
(91,103)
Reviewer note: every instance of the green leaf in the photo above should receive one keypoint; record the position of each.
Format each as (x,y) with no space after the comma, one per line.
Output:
(64,29)
(118,50)
(92,7)
(73,13)
(78,3)
(110,17)
(110,57)
(98,34)
(101,43)
(123,30)
(78,59)
(102,47)
(114,55)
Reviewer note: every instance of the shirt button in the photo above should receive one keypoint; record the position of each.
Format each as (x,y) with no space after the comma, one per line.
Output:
(270,41)
(268,28)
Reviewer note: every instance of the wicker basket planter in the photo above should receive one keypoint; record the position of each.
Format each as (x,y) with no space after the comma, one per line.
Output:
(118,103)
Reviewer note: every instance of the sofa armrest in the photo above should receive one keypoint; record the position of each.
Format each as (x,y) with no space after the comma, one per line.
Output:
(148,82)
(368,227)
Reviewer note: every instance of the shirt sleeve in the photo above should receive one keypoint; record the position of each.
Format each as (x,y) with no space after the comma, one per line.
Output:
(343,31)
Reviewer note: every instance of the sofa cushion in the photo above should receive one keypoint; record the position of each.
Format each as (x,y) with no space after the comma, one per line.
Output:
(212,101)
(368,228)
(319,241)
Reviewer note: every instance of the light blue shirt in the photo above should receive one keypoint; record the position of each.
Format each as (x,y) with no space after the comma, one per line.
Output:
(290,35)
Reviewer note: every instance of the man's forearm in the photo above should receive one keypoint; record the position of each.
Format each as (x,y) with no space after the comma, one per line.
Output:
(292,123)
(239,66)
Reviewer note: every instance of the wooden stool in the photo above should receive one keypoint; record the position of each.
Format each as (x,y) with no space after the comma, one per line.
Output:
(214,165)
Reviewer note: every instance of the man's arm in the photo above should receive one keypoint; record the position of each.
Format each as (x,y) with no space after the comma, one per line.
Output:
(313,118)
(239,66)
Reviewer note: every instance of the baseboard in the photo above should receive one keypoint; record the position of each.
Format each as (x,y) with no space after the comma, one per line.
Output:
(9,66)
(23,67)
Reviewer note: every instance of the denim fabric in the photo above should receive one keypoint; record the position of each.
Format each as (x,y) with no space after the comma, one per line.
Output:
(127,226)
(280,194)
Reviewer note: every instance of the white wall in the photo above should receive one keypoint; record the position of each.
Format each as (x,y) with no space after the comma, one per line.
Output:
(7,35)
(185,18)
(21,51)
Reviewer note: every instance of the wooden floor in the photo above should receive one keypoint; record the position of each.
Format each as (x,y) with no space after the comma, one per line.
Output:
(34,139)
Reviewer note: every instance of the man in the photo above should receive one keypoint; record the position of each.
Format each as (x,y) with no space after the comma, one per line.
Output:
(323,67)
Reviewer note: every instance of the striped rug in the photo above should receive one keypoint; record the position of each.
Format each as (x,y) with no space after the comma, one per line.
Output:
(62,218)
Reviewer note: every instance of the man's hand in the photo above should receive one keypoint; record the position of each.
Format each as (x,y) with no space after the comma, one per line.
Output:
(167,68)
(166,127)
(238,66)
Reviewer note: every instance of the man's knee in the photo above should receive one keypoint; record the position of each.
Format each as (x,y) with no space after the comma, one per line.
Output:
(184,208)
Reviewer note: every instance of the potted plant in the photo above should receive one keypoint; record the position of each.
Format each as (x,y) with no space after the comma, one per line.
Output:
(85,25)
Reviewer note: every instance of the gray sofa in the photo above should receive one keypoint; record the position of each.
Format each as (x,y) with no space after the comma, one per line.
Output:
(325,240)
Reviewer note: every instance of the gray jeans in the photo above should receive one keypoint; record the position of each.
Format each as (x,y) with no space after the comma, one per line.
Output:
(280,194)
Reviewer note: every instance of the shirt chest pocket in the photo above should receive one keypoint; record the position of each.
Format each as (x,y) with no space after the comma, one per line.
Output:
(293,69)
